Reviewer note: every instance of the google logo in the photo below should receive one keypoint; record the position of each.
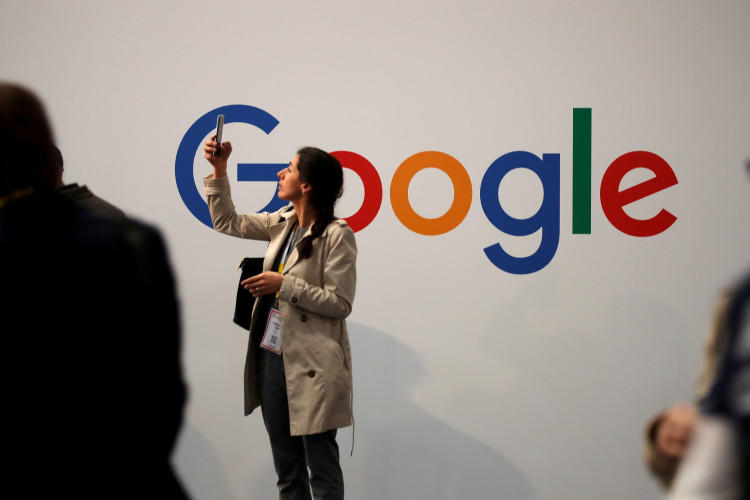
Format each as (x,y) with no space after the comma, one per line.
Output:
(546,168)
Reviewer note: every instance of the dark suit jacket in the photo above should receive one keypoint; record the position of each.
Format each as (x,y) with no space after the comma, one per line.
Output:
(92,379)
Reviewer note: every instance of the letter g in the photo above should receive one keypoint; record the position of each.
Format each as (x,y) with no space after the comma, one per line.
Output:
(193,140)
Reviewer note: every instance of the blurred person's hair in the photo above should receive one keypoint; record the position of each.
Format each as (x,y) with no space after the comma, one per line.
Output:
(26,140)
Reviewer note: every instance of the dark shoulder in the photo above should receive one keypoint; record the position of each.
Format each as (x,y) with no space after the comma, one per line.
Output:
(84,198)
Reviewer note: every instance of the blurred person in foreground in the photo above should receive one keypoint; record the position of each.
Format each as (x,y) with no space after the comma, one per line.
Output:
(92,381)
(668,434)
(713,462)
(716,464)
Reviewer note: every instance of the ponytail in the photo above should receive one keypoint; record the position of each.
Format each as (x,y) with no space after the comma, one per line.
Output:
(316,230)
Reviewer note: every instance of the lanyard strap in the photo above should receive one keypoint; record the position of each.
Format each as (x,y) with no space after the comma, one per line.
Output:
(285,256)
(287,248)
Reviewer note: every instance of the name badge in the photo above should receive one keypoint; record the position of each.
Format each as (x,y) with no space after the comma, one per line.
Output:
(272,336)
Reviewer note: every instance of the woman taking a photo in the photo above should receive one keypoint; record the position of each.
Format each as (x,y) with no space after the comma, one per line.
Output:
(298,365)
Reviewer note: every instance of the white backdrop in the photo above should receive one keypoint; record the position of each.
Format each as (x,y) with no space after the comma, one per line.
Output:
(470,382)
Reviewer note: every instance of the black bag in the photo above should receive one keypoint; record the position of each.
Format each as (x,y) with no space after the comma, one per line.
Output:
(243,307)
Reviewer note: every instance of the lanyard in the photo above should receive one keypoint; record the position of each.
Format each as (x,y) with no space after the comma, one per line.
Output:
(285,255)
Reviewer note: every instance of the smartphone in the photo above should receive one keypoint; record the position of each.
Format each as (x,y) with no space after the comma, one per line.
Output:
(219,129)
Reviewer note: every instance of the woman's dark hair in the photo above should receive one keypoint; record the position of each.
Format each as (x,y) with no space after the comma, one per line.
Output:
(326,178)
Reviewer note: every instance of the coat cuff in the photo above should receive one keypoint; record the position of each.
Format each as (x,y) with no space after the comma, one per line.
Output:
(291,289)
(216,186)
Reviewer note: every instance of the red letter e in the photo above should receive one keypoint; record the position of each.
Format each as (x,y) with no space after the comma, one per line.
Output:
(613,199)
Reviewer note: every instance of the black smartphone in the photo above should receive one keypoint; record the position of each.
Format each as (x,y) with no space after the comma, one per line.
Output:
(219,129)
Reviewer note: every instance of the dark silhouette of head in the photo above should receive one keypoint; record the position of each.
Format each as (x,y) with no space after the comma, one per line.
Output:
(26,139)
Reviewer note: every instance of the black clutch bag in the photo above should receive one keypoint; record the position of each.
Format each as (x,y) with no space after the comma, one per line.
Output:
(243,307)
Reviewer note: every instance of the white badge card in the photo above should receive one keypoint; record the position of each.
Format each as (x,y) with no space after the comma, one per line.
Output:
(272,337)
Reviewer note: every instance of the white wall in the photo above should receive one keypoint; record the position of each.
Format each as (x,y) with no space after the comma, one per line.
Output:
(470,382)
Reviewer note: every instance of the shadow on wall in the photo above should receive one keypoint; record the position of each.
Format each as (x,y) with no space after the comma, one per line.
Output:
(403,453)
(201,467)
(400,451)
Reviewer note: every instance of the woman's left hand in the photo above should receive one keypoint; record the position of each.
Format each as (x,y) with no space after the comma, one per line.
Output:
(265,283)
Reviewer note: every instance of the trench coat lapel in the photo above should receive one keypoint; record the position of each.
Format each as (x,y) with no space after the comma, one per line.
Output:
(279,233)
(291,259)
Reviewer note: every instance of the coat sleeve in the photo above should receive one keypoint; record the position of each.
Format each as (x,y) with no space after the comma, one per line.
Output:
(226,219)
(336,295)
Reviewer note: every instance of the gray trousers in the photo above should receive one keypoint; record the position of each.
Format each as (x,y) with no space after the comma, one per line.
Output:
(293,455)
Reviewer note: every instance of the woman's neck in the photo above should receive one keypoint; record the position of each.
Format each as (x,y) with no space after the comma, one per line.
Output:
(306,214)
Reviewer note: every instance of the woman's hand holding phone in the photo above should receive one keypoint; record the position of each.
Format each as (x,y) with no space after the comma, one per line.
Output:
(217,153)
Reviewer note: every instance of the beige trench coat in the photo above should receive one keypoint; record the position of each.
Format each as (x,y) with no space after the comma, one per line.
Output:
(315,298)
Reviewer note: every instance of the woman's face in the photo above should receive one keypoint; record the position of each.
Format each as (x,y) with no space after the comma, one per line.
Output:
(291,188)
(674,432)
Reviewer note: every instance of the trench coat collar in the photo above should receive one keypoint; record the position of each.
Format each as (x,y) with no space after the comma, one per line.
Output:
(288,220)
